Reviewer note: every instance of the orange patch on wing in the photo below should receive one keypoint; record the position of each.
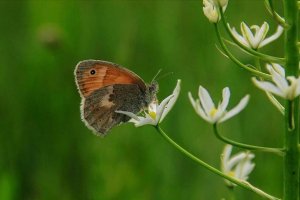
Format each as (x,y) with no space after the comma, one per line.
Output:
(105,74)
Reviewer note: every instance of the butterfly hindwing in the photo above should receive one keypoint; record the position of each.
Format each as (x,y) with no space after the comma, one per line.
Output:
(98,109)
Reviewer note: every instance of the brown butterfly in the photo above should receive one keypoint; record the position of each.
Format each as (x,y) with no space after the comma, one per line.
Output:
(106,87)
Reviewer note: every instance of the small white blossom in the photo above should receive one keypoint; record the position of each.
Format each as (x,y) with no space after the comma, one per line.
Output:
(238,166)
(205,107)
(210,10)
(257,38)
(285,87)
(156,112)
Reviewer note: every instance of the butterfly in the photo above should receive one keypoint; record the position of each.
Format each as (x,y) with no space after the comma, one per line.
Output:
(107,87)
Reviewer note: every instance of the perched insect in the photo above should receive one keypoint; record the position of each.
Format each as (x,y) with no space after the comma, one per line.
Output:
(106,87)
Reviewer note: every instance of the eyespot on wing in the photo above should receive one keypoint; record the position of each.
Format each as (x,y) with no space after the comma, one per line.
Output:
(91,75)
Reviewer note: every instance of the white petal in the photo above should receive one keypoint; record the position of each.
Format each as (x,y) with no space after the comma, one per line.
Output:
(238,37)
(268,87)
(198,108)
(279,80)
(205,100)
(130,114)
(270,39)
(162,107)
(137,120)
(145,121)
(222,106)
(244,167)
(172,101)
(291,91)
(242,104)
(234,160)
(247,169)
(193,102)
(225,157)
(152,107)
(247,34)
(201,113)
(225,99)
(261,34)
(279,69)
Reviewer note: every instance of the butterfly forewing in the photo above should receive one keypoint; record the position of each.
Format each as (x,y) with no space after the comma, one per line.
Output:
(94,74)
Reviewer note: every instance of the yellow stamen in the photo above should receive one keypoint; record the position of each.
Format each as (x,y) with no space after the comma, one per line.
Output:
(213,112)
(152,115)
(231,173)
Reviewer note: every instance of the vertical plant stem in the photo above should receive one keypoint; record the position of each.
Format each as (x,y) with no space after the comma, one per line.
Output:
(291,159)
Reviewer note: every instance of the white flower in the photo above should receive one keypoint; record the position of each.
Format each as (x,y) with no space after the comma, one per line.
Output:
(156,112)
(210,10)
(257,39)
(205,107)
(285,87)
(238,166)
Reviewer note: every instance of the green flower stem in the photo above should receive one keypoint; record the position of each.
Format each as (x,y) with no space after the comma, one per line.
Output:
(291,141)
(228,53)
(277,151)
(243,184)
(275,15)
(262,56)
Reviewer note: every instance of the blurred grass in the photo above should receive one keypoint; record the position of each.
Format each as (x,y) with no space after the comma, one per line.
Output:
(47,152)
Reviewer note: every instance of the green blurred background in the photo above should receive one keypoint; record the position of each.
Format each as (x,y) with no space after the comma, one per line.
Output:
(47,152)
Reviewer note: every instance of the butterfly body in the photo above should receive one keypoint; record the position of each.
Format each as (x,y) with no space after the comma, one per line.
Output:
(107,87)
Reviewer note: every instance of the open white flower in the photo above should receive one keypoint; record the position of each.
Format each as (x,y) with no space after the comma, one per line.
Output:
(285,87)
(156,112)
(205,107)
(257,38)
(238,166)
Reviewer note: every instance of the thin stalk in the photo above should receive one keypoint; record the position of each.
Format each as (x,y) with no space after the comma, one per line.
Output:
(235,60)
(260,55)
(291,141)
(275,15)
(276,151)
(243,184)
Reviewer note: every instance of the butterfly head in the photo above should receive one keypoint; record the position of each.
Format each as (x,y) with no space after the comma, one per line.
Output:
(152,90)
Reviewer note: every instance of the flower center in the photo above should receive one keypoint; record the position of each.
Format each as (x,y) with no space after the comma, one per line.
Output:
(152,115)
(213,112)
(231,173)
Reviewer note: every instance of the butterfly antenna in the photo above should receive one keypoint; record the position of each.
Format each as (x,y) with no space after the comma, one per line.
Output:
(156,75)
(164,75)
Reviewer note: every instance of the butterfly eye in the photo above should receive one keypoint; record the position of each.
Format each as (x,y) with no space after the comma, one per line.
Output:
(92,72)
